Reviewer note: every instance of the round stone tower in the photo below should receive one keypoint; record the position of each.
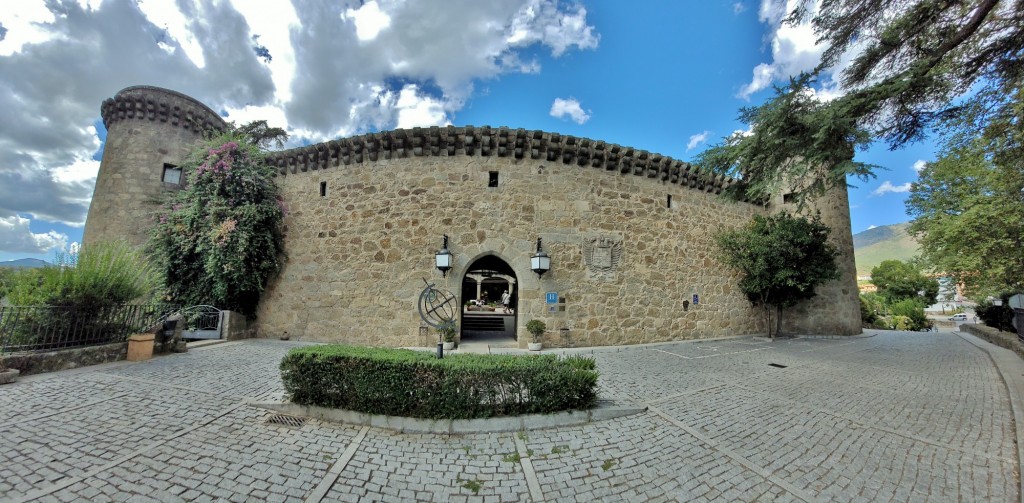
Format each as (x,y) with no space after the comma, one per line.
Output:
(149,132)
(836,308)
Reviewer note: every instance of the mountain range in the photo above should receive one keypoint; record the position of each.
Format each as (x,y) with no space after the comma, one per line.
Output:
(887,242)
(24,263)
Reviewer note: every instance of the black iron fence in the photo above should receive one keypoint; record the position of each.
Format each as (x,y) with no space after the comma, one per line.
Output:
(47,328)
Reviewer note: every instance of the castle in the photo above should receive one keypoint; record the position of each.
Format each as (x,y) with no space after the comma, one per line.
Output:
(630,234)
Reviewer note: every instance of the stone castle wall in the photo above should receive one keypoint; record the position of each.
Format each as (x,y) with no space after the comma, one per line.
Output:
(146,128)
(630,233)
(357,256)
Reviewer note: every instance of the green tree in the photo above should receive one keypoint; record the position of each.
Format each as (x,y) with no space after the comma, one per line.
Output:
(968,209)
(781,258)
(897,280)
(915,60)
(220,240)
(6,281)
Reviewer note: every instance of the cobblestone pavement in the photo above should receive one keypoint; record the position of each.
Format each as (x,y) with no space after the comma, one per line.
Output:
(894,417)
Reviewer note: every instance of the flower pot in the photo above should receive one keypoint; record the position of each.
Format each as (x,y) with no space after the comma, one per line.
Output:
(9,375)
(448,346)
(140,347)
(535,346)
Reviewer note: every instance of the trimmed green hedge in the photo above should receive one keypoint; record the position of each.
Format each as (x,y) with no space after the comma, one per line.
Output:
(400,382)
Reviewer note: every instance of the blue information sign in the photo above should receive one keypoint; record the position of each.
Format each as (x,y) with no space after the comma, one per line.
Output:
(696,300)
(552,298)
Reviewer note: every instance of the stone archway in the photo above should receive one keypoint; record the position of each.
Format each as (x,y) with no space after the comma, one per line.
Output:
(483,317)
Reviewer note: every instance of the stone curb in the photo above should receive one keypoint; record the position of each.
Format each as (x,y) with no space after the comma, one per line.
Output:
(451,426)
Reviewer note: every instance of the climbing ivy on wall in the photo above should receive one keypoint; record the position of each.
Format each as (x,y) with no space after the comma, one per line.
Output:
(219,241)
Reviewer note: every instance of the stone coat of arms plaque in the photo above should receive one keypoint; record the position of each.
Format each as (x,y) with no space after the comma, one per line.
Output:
(602,255)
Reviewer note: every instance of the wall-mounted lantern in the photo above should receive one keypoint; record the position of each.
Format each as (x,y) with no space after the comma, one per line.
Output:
(443,258)
(540,262)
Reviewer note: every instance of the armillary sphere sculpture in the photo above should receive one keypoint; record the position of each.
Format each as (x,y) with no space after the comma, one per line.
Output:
(438,309)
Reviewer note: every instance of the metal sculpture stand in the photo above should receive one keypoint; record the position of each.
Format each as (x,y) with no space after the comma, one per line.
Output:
(437,309)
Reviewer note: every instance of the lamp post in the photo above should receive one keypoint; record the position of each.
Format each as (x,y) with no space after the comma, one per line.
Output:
(540,262)
(443,258)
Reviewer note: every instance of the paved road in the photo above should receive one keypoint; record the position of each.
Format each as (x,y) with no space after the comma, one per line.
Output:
(894,417)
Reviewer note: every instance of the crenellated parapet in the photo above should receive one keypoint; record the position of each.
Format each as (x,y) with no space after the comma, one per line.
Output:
(500,142)
(160,105)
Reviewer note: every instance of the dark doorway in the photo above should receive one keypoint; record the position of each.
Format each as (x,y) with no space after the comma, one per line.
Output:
(484,317)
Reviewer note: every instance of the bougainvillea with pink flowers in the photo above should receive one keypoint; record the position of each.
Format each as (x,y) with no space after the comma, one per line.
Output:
(219,240)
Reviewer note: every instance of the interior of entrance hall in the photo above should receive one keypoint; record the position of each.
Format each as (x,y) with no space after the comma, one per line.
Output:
(487,282)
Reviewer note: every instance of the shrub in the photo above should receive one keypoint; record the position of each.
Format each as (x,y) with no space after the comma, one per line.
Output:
(869,307)
(80,300)
(536,328)
(447,331)
(415,384)
(99,275)
(219,241)
(913,311)
(998,317)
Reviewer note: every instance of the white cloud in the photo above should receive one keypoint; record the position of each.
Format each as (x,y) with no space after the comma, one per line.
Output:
(697,139)
(872,227)
(919,165)
(165,14)
(369,20)
(561,108)
(887,186)
(738,7)
(16,237)
(25,23)
(417,110)
(542,21)
(744,132)
(336,69)
(794,49)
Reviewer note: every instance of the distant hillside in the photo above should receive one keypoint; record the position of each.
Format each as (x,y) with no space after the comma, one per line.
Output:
(24,263)
(888,242)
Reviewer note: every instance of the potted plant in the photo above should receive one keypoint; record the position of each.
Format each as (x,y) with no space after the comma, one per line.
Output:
(447,333)
(536,329)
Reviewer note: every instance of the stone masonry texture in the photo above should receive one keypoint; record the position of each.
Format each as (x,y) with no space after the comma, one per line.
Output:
(897,416)
(365,216)
(146,128)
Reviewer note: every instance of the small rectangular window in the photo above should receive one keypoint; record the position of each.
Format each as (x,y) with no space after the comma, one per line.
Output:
(668,201)
(492,181)
(172,174)
(323,189)
(789,198)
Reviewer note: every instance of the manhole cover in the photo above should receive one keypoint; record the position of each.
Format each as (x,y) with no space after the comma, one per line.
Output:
(286,420)
(776,365)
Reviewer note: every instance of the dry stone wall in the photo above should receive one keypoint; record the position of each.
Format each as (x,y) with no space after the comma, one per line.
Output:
(627,246)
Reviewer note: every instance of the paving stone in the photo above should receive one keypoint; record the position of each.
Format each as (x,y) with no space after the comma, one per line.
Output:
(899,416)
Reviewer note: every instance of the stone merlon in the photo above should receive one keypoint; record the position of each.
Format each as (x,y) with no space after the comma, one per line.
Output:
(498,142)
(163,105)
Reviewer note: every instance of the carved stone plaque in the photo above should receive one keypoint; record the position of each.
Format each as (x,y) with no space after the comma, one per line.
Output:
(601,257)
(602,254)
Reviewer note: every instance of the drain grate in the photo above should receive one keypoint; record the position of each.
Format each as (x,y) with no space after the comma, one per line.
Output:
(286,420)
(776,365)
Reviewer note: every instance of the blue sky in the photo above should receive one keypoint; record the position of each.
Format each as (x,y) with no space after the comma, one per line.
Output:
(668,77)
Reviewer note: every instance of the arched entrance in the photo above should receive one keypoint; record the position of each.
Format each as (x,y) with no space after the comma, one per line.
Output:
(484,319)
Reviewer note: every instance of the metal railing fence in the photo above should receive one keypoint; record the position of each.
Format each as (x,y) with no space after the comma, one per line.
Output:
(47,328)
